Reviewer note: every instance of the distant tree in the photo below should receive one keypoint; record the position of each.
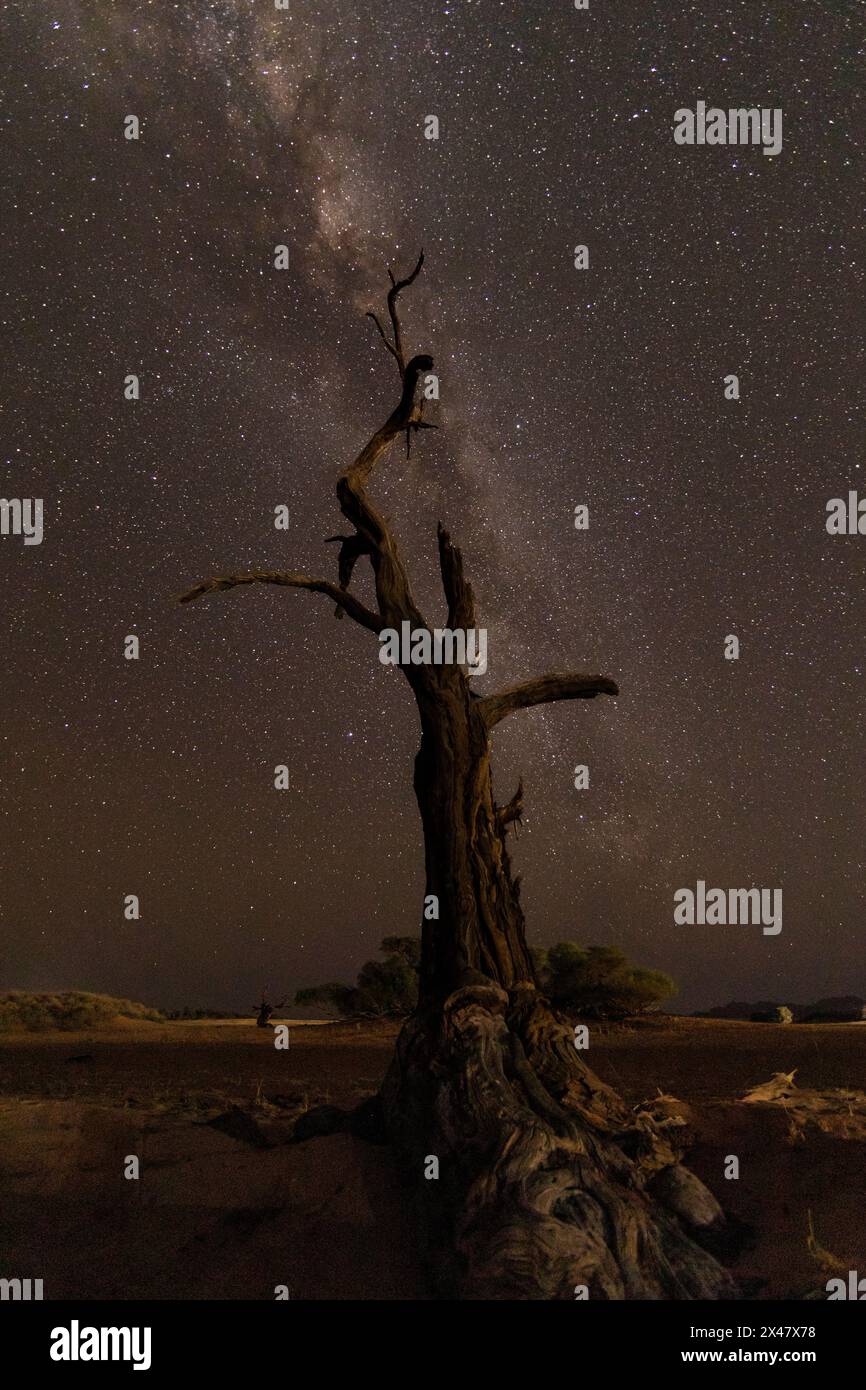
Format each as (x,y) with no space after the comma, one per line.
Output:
(386,989)
(265,1009)
(783,1015)
(598,981)
(407,947)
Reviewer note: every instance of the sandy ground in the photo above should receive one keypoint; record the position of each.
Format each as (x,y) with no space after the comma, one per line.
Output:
(214,1216)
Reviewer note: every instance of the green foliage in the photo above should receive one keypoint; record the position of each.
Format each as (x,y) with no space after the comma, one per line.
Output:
(68,1010)
(386,989)
(598,981)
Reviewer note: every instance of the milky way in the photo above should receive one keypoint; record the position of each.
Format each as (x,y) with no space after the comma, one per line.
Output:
(559,387)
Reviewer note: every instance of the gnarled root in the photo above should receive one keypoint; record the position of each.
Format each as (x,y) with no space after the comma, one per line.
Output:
(543,1171)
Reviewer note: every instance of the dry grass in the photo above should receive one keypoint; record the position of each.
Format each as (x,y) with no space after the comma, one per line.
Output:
(67,1011)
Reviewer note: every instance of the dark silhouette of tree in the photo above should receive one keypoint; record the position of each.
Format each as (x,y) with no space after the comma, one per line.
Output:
(265,1009)
(545,1174)
(384,989)
(598,981)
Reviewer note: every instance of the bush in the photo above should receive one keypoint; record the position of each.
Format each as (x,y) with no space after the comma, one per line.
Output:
(384,989)
(67,1010)
(598,981)
(594,981)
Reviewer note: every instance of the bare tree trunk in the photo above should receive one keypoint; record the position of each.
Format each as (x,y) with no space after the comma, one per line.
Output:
(480,924)
(548,1186)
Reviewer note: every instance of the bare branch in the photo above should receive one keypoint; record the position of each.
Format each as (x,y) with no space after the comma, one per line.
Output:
(513,810)
(396,287)
(373,537)
(389,346)
(344,600)
(393,591)
(544,690)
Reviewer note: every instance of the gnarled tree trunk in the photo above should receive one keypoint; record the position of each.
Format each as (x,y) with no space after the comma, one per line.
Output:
(480,925)
(548,1186)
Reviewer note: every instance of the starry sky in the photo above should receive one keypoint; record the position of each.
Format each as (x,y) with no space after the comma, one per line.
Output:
(559,387)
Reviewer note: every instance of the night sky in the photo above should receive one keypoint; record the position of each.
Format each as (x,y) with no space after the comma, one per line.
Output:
(559,387)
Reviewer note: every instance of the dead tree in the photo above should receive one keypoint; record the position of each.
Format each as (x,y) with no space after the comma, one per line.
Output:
(547,1180)
(265,1010)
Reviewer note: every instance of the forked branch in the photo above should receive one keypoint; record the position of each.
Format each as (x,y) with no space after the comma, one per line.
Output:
(396,348)
(393,591)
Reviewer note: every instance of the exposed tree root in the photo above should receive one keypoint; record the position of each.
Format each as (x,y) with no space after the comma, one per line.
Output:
(543,1172)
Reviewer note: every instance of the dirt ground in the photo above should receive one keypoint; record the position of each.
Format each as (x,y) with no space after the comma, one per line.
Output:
(221,1213)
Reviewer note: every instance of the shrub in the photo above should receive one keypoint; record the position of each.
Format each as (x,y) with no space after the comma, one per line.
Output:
(67,1010)
(598,981)
(386,989)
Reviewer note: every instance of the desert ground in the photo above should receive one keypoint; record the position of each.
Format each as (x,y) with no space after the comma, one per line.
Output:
(229,1205)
